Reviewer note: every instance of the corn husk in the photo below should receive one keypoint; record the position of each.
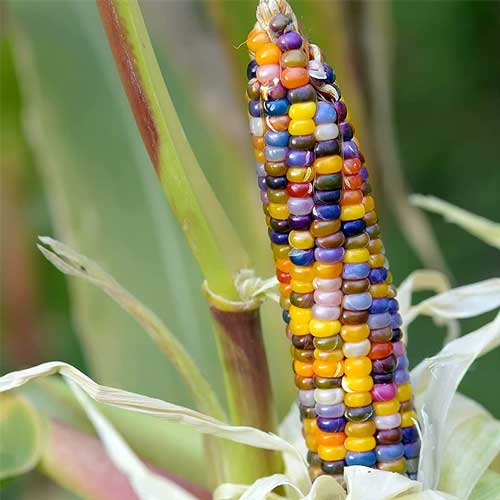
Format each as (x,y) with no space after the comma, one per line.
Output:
(482,228)
(435,381)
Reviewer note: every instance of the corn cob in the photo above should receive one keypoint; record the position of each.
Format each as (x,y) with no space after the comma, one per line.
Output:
(336,290)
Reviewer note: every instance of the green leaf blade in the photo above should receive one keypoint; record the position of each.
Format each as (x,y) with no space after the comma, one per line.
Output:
(105,199)
(22,436)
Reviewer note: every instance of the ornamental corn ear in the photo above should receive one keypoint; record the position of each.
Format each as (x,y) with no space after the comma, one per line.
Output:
(337,295)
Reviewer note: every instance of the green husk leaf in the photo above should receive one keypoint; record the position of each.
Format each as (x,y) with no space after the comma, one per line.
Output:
(72,263)
(147,484)
(143,404)
(22,436)
(482,228)
(488,487)
(211,236)
(469,425)
(435,381)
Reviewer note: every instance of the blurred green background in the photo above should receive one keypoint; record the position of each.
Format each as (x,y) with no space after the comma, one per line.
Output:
(421,79)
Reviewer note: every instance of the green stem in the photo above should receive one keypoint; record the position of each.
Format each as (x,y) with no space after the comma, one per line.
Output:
(209,232)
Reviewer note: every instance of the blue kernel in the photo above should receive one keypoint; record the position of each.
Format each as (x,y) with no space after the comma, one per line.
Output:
(278,139)
(276,107)
(326,212)
(353,227)
(378,275)
(301,257)
(365,458)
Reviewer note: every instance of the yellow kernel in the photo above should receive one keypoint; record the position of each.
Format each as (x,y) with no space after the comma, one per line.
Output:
(332,453)
(328,165)
(407,418)
(358,367)
(310,426)
(301,127)
(328,369)
(303,369)
(357,399)
(330,356)
(299,314)
(300,174)
(355,333)
(356,255)
(324,328)
(327,270)
(398,465)
(280,251)
(278,211)
(383,408)
(298,328)
(302,240)
(360,444)
(259,156)
(379,290)
(375,246)
(352,212)
(302,286)
(376,260)
(369,203)
(360,429)
(302,273)
(357,384)
(302,110)
(404,392)
(311,442)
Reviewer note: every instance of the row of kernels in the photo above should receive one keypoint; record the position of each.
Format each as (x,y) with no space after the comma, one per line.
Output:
(295,285)
(326,325)
(268,103)
(394,452)
(357,301)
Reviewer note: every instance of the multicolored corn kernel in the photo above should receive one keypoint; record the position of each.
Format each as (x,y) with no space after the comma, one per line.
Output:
(336,288)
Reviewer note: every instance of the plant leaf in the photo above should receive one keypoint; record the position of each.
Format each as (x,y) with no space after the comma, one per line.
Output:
(147,484)
(143,404)
(487,487)
(425,279)
(290,429)
(53,398)
(482,228)
(212,238)
(462,302)
(323,488)
(382,485)
(469,425)
(105,199)
(72,263)
(435,381)
(22,436)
